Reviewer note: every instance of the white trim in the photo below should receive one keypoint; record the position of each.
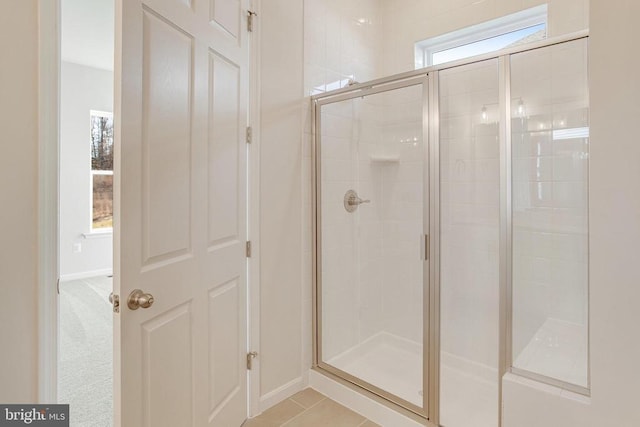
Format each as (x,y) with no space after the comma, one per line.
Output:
(48,144)
(86,274)
(254,406)
(99,233)
(281,393)
(425,49)
(99,113)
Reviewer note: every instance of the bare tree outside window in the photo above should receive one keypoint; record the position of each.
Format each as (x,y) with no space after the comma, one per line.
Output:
(102,170)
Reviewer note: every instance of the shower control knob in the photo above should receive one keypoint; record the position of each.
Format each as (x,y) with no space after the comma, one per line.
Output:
(352,201)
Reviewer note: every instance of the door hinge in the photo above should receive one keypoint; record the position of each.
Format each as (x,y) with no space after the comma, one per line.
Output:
(248,249)
(249,134)
(250,15)
(250,356)
(426,247)
(114,299)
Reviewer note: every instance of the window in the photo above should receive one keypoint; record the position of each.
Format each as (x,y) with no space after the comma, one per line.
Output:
(101,171)
(511,30)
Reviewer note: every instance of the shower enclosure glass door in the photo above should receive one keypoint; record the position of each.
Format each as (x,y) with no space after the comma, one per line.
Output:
(451,231)
(372,220)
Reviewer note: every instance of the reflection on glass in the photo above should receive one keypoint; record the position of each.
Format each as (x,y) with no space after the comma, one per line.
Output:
(550,151)
(371,271)
(469,212)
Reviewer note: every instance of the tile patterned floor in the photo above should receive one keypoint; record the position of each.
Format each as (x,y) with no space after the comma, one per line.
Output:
(309,408)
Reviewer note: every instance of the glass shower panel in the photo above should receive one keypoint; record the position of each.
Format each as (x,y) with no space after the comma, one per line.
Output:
(469,245)
(550,151)
(372,197)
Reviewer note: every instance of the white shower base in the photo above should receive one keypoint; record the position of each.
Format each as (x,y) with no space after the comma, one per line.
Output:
(557,350)
(469,391)
(387,361)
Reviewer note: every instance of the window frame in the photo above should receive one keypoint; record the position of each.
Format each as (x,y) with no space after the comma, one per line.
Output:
(425,49)
(93,172)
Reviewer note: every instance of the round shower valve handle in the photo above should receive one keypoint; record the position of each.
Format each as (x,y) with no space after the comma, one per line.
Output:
(352,201)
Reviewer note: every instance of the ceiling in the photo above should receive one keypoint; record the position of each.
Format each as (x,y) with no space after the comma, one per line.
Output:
(88,32)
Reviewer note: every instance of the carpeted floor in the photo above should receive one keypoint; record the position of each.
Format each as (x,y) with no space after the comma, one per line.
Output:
(85,361)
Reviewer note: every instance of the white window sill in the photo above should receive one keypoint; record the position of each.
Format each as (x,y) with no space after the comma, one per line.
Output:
(98,234)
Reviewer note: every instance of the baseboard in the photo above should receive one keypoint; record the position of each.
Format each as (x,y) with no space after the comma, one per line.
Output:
(281,393)
(86,274)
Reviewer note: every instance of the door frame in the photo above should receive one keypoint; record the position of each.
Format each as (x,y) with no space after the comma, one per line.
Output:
(253,212)
(49,63)
(49,54)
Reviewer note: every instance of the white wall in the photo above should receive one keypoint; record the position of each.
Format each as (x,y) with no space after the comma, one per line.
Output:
(614,212)
(281,286)
(19,201)
(409,21)
(82,89)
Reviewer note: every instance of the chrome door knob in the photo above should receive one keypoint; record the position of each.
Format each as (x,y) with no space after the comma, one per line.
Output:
(138,299)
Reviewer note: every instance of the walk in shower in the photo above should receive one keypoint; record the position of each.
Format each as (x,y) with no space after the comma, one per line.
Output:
(451,231)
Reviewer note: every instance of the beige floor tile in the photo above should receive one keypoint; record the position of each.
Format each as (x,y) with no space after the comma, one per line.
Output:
(369,423)
(277,415)
(255,422)
(327,413)
(307,397)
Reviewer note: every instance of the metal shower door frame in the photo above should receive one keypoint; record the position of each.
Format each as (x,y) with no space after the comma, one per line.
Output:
(430,213)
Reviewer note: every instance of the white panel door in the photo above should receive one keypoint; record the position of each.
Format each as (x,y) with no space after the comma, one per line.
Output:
(180,227)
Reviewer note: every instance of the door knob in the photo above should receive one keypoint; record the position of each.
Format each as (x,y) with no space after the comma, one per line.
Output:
(138,299)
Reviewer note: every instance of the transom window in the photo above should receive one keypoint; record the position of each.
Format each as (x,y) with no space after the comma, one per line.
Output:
(511,30)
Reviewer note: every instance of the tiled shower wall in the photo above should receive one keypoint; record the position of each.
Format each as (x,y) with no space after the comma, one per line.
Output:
(469,218)
(372,38)
(340,40)
(550,201)
(371,266)
(402,211)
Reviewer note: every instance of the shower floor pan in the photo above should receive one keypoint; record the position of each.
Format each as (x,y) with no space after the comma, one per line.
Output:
(557,350)
(394,364)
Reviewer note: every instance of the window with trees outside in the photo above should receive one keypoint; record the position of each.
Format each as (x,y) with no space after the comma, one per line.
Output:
(101,171)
